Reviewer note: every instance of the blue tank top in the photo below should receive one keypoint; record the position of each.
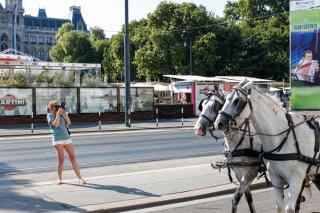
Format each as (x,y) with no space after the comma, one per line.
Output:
(58,133)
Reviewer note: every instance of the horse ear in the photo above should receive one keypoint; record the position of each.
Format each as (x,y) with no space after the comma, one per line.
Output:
(247,87)
(242,83)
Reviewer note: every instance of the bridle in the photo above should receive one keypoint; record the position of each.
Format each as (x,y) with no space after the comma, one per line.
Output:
(241,104)
(216,106)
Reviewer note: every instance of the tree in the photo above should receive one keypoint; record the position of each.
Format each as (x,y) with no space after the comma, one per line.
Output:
(96,33)
(66,27)
(73,47)
(264,30)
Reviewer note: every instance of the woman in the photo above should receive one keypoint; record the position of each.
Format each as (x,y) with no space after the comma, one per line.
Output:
(58,120)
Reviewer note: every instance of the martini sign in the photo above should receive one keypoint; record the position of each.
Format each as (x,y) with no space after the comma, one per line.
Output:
(10,102)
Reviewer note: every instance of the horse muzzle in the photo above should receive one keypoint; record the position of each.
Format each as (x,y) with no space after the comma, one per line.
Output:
(199,130)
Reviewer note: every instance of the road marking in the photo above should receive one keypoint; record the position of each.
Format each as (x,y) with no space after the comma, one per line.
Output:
(191,203)
(127,174)
(126,161)
(97,133)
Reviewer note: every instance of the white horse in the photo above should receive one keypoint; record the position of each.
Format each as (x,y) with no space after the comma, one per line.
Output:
(279,137)
(241,148)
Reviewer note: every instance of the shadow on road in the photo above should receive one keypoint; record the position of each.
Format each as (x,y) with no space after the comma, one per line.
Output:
(119,189)
(16,196)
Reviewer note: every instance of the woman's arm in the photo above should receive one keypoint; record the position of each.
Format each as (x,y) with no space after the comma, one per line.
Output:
(56,122)
(66,118)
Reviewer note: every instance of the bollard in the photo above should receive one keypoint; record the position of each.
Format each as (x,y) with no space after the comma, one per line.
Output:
(182,116)
(129,117)
(99,119)
(157,116)
(31,122)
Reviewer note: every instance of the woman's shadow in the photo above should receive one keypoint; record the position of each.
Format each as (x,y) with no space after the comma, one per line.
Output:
(116,188)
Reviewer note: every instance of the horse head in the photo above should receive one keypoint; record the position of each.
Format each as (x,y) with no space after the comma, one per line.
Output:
(209,108)
(235,106)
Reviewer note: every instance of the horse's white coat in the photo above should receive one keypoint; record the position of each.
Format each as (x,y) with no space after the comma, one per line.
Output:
(268,117)
(244,175)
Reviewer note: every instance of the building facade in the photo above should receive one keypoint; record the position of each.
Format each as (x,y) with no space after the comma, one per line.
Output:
(35,35)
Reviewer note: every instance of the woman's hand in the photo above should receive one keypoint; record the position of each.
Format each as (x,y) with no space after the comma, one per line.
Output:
(60,111)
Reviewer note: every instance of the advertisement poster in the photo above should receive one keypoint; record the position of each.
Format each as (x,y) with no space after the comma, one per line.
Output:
(141,99)
(68,96)
(305,54)
(15,102)
(94,100)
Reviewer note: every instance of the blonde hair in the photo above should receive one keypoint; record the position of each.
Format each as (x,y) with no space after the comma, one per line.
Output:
(51,104)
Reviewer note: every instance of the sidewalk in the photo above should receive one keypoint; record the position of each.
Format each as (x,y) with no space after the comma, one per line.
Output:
(116,188)
(40,129)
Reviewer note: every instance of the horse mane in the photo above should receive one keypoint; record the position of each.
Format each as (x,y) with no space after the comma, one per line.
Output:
(274,100)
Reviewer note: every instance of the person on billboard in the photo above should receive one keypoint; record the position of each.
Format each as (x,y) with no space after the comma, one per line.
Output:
(58,120)
(307,69)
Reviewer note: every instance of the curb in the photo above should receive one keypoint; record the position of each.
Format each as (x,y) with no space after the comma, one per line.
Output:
(167,200)
(97,131)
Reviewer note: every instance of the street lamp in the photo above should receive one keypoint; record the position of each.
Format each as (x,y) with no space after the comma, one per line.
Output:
(186,37)
(127,65)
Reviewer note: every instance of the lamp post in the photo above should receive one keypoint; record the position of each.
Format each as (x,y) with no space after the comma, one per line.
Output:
(184,34)
(127,65)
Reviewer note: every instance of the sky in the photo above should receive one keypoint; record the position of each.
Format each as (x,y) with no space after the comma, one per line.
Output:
(108,14)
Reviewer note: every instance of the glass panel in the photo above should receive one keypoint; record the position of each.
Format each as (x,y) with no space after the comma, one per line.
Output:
(141,99)
(66,95)
(15,102)
(93,99)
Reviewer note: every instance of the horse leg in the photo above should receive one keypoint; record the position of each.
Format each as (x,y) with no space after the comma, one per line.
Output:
(249,200)
(295,184)
(245,182)
(278,183)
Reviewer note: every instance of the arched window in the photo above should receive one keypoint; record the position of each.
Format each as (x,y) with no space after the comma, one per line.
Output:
(4,42)
(4,46)
(18,38)
(4,37)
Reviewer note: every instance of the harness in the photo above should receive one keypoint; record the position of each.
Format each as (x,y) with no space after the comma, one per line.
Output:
(244,152)
(271,155)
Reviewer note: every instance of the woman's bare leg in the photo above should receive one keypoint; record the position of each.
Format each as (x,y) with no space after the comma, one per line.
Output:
(72,158)
(60,158)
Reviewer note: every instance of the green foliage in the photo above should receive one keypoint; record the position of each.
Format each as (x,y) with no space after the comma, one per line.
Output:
(42,79)
(96,33)
(73,47)
(66,27)
(89,81)
(19,79)
(63,79)
(252,38)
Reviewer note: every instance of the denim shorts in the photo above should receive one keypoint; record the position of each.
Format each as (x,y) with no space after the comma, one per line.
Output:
(62,142)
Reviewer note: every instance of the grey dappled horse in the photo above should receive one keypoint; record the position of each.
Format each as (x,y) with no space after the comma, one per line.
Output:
(289,144)
(209,108)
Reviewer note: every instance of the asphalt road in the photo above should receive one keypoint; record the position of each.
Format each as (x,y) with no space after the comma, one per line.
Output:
(263,200)
(37,154)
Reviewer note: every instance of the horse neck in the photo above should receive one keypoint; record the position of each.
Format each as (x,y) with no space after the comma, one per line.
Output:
(267,117)
(233,138)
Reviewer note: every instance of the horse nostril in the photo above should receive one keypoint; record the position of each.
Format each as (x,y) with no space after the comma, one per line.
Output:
(220,125)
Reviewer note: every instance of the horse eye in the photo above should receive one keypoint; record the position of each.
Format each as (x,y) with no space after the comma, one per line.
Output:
(236,101)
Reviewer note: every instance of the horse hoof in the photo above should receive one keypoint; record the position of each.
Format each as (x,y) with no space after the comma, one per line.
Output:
(302,199)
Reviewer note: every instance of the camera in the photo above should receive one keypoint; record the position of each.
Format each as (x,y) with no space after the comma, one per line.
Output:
(63,106)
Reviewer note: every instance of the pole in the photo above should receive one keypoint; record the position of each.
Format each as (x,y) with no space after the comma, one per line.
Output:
(129,118)
(99,119)
(31,122)
(157,116)
(127,64)
(190,56)
(15,30)
(182,116)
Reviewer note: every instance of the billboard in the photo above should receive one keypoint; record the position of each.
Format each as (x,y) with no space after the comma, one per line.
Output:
(14,101)
(305,54)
